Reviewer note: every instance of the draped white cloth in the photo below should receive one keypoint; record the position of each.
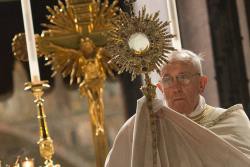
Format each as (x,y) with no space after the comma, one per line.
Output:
(224,142)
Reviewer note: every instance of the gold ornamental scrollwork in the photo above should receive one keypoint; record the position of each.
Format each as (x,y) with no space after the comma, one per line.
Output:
(139,44)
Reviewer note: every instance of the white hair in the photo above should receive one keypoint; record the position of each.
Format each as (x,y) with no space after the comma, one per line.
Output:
(187,56)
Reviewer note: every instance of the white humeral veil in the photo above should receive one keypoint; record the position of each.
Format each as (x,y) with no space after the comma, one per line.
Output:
(182,142)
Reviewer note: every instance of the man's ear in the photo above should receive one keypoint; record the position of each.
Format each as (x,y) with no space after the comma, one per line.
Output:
(203,83)
(158,85)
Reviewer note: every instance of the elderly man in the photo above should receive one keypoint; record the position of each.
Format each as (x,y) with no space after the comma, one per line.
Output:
(190,133)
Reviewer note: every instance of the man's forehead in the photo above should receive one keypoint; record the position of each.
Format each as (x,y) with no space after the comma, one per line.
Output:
(178,67)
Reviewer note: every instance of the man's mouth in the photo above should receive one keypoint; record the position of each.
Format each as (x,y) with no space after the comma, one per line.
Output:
(178,99)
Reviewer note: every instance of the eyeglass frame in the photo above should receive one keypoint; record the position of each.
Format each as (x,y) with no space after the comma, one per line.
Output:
(178,79)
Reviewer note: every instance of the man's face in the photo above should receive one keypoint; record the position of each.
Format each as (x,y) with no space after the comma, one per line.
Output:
(182,94)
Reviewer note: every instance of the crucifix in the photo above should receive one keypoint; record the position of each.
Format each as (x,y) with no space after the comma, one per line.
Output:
(74,44)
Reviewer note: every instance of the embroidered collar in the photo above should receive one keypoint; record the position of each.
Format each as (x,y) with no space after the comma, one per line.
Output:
(199,108)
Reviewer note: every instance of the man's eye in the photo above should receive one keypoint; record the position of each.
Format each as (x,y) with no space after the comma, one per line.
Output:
(167,79)
(182,77)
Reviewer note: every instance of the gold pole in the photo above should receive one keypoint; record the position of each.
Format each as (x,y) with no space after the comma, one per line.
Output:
(149,91)
(96,112)
(45,142)
(100,143)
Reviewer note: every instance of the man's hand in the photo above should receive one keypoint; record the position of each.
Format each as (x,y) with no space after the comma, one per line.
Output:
(157,104)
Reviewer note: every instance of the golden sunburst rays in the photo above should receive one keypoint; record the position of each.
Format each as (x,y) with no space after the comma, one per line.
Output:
(83,18)
(19,52)
(62,43)
(104,14)
(75,37)
(139,44)
(62,20)
(76,63)
(19,48)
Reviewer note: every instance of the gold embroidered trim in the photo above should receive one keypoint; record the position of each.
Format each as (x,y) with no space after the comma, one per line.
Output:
(218,119)
(202,120)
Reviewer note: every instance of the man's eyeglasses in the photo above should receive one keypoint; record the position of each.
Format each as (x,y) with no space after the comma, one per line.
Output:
(183,79)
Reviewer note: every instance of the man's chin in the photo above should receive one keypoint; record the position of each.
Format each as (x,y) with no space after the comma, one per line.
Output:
(179,103)
(180,106)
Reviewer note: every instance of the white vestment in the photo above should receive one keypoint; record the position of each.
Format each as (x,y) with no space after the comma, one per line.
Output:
(221,139)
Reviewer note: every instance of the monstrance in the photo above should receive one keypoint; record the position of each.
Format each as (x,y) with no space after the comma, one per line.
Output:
(73,44)
(139,45)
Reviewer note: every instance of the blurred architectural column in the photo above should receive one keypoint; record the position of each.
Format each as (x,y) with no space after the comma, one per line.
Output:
(228,52)
(195,35)
(244,22)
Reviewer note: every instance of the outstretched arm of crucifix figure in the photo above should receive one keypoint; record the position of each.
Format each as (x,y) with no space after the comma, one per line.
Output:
(67,61)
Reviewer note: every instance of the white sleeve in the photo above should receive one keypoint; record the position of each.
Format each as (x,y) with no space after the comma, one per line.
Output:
(120,153)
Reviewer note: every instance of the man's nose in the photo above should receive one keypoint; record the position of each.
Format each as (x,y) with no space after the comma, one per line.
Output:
(176,85)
